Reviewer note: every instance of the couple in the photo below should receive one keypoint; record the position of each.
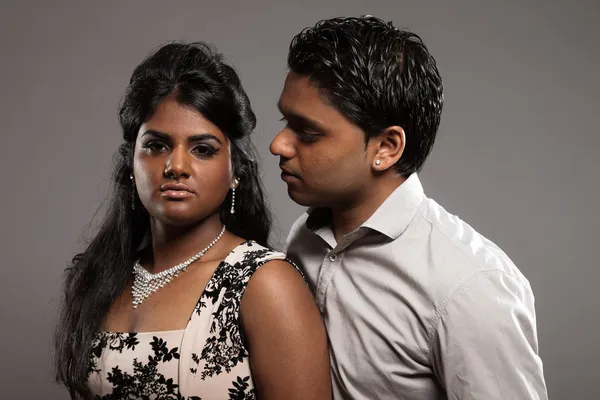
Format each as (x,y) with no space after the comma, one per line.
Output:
(179,296)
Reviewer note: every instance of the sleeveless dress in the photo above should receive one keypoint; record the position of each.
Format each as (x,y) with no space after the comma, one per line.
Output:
(207,360)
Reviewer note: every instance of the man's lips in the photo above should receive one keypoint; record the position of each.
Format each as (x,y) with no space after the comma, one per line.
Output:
(289,177)
(286,172)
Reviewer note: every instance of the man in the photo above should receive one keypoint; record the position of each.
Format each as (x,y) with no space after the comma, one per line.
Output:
(417,304)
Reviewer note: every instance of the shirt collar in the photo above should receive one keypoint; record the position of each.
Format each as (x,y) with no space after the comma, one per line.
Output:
(391,218)
(395,213)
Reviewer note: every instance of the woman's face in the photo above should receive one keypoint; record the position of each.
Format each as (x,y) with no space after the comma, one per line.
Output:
(181,165)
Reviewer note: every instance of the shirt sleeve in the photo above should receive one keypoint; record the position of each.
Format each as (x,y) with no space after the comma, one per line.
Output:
(485,342)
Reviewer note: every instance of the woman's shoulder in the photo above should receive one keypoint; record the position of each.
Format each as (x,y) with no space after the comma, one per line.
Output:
(250,256)
(251,251)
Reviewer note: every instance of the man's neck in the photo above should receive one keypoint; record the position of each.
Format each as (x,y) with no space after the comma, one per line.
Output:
(349,218)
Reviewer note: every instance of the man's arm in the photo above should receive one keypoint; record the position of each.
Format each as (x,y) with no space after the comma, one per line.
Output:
(485,343)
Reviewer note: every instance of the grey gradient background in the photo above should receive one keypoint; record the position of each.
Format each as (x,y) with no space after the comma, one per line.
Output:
(515,155)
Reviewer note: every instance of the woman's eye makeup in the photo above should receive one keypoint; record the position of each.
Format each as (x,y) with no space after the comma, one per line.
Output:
(202,150)
(205,150)
(155,146)
(202,145)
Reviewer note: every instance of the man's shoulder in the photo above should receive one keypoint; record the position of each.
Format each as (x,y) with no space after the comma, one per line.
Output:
(459,248)
(300,222)
(299,231)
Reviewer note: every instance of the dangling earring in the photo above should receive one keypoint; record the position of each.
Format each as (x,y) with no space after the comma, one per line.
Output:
(235,182)
(132,192)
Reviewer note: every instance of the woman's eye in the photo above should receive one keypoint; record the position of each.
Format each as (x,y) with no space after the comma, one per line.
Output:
(155,146)
(205,150)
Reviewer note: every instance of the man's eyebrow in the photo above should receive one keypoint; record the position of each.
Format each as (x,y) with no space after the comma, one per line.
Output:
(294,117)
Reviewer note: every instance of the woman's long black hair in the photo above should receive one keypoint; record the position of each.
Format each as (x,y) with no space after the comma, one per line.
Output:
(198,77)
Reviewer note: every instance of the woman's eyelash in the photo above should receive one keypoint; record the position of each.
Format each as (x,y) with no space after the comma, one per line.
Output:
(205,150)
(155,145)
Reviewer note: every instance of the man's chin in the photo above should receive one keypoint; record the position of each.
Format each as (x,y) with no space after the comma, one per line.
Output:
(301,198)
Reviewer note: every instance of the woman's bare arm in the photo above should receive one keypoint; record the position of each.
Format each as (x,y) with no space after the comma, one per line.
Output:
(285,335)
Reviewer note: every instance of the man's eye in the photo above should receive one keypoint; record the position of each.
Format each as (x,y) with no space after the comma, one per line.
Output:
(307,137)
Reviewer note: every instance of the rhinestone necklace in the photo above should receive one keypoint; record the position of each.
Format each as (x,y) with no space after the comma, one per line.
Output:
(145,283)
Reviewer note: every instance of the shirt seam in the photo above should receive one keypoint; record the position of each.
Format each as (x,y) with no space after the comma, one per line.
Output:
(441,310)
(468,256)
(441,307)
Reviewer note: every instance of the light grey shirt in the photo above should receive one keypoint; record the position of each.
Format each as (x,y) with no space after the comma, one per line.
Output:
(418,305)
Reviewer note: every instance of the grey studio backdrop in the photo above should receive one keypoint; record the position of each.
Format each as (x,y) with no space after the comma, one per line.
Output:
(515,155)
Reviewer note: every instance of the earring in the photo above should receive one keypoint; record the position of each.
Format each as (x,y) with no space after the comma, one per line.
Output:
(132,192)
(232,211)
(377,162)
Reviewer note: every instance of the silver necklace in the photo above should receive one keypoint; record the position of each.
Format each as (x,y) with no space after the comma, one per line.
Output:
(146,283)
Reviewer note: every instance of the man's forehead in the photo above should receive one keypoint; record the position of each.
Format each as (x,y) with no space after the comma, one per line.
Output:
(300,93)
(300,85)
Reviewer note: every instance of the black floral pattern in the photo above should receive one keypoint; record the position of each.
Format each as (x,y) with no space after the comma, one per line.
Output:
(145,382)
(241,390)
(218,355)
(225,348)
(114,341)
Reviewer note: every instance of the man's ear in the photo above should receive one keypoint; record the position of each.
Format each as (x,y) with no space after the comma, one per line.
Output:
(392,142)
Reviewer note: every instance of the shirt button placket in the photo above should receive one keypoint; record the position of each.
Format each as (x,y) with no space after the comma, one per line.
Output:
(329,269)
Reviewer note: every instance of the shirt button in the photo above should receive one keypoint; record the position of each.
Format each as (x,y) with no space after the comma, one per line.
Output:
(332,257)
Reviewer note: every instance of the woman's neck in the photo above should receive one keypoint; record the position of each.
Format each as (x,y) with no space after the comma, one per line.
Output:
(172,245)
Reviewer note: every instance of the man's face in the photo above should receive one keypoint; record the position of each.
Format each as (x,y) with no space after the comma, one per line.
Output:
(323,156)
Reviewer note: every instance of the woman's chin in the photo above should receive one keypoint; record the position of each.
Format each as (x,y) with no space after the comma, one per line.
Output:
(177,215)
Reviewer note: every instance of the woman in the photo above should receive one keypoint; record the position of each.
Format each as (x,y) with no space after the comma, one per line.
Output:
(178,295)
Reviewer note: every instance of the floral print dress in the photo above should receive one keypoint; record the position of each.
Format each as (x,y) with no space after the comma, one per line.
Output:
(205,361)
